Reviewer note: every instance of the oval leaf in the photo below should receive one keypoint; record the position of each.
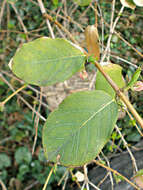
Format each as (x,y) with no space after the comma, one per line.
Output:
(4,161)
(115,72)
(46,61)
(83,2)
(75,133)
(134,79)
(22,155)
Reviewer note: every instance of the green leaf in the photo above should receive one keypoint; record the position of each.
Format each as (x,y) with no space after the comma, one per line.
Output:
(23,169)
(3,175)
(22,155)
(55,2)
(83,2)
(139,173)
(75,133)
(134,79)
(46,61)
(115,73)
(4,161)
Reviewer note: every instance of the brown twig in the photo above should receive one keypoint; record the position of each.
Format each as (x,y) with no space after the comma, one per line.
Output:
(61,27)
(96,15)
(86,180)
(111,29)
(43,11)
(110,174)
(120,94)
(138,129)
(19,32)
(126,145)
(36,122)
(13,94)
(26,103)
(73,176)
(20,20)
(111,33)
(116,173)
(2,11)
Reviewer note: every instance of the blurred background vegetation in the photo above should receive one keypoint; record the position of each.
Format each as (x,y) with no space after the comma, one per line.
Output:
(19,169)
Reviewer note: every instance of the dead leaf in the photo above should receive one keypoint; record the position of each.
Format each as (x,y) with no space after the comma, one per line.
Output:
(92,41)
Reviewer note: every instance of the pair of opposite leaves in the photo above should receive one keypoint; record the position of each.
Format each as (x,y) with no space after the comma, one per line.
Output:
(69,134)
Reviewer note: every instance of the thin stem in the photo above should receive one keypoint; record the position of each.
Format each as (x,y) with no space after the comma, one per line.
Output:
(116,173)
(25,102)
(96,16)
(124,60)
(102,24)
(63,177)
(43,11)
(2,11)
(48,178)
(47,16)
(110,174)
(111,33)
(126,145)
(86,180)
(121,95)
(73,176)
(130,116)
(36,122)
(120,35)
(13,94)
(20,20)
(111,27)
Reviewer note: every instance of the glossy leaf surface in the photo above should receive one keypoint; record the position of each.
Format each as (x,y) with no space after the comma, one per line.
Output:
(75,133)
(46,61)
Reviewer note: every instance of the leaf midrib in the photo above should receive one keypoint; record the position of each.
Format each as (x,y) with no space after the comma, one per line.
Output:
(66,142)
(55,59)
